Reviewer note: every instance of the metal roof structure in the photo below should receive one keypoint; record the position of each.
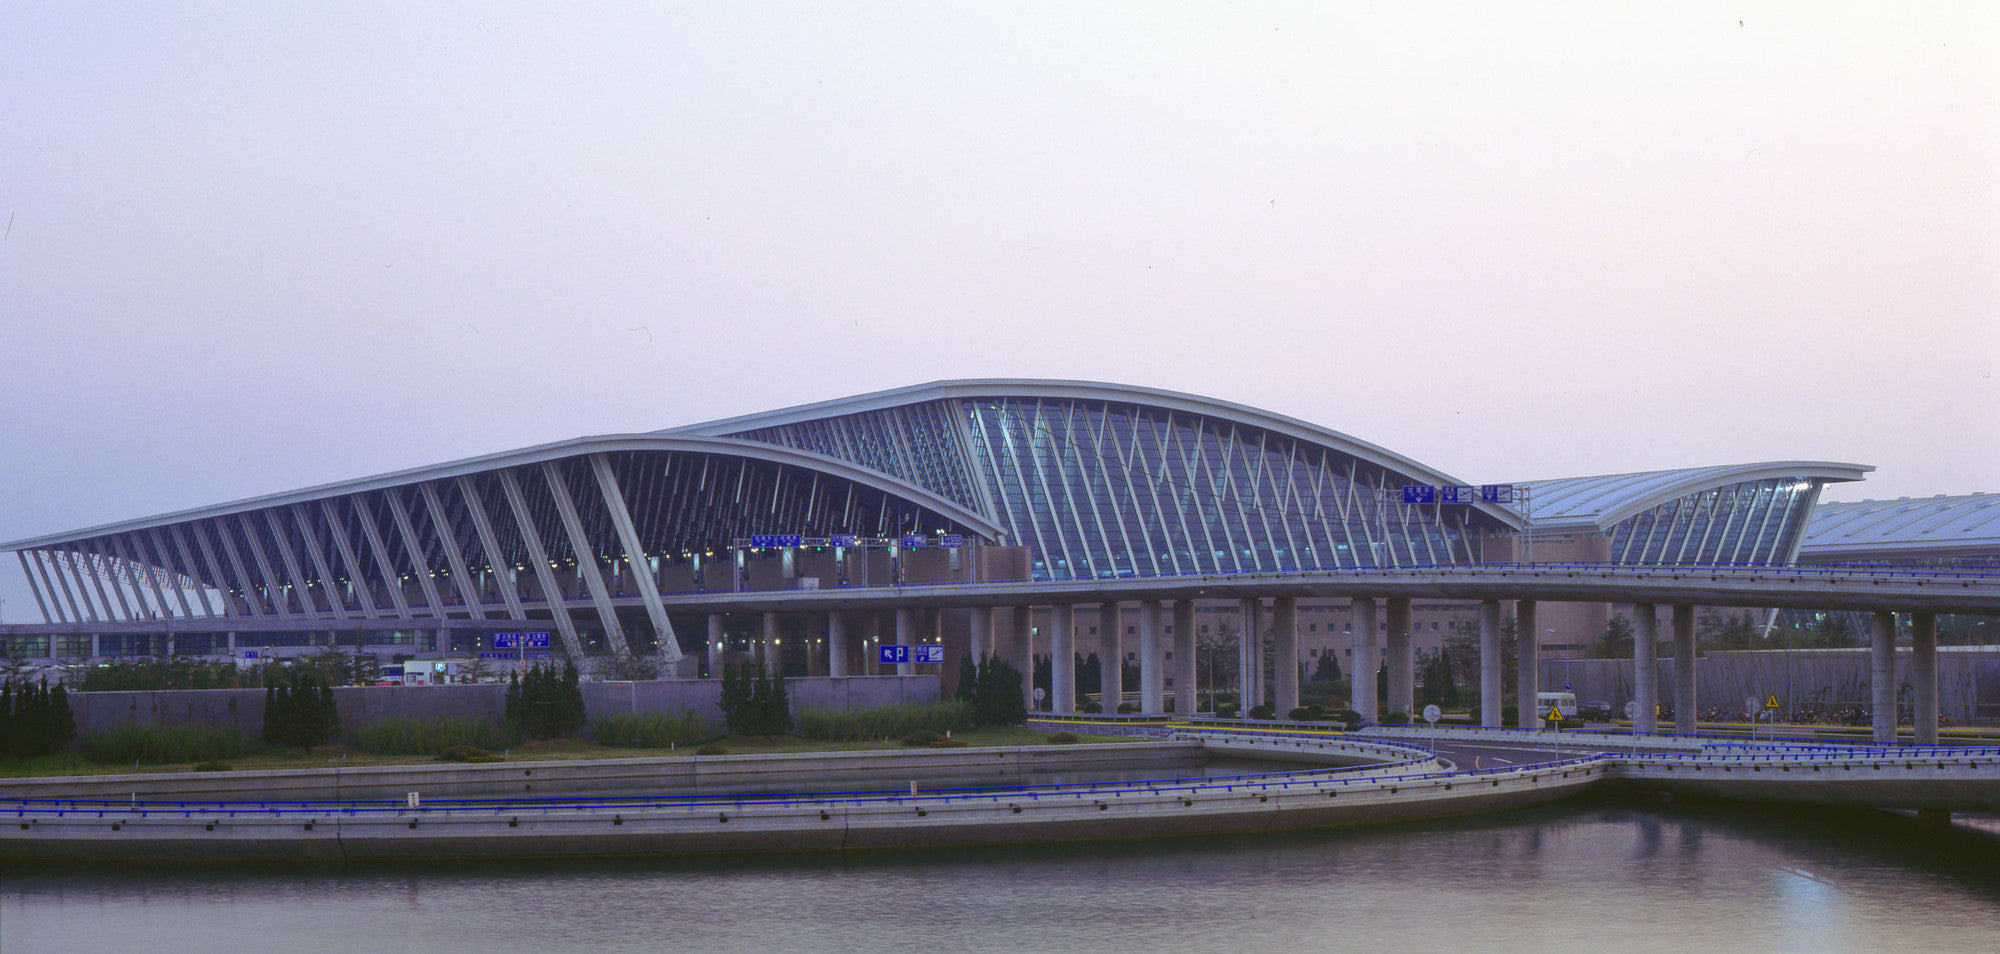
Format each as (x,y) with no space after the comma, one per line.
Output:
(1055,389)
(1583,504)
(1941,527)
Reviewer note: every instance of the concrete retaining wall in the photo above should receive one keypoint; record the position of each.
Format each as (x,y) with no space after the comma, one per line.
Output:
(362,705)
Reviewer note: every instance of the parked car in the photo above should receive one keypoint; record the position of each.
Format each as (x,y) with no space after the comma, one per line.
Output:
(1595,711)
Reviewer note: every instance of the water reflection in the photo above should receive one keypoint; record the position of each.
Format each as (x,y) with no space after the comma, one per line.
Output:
(1584,877)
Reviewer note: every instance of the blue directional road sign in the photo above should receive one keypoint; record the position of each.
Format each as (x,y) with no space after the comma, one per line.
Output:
(513,640)
(1419,494)
(892,655)
(913,540)
(930,654)
(840,540)
(1456,494)
(1496,493)
(761,540)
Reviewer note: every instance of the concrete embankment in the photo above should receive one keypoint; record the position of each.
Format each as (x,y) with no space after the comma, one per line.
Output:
(1408,790)
(362,705)
(662,776)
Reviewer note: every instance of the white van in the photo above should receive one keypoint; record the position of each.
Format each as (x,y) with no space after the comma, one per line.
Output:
(1545,702)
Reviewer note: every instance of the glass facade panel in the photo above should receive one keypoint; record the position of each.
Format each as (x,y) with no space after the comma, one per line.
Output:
(1109,489)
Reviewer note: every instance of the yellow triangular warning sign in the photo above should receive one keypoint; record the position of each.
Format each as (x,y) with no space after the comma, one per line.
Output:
(1555,713)
(1772,702)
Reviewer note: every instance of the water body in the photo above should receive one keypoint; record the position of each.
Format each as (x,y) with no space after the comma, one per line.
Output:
(1599,877)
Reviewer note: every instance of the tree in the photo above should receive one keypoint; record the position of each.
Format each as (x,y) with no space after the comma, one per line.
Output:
(1615,642)
(755,704)
(544,703)
(35,719)
(1328,668)
(968,679)
(996,699)
(299,711)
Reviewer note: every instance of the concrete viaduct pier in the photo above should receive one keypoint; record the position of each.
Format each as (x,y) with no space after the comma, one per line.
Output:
(1042,617)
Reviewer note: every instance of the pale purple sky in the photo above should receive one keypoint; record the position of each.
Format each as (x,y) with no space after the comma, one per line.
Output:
(254,247)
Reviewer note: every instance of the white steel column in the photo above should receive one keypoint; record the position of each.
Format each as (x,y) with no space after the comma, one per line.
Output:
(152,569)
(539,556)
(1361,630)
(36,588)
(1527,663)
(192,571)
(136,578)
(836,643)
(504,578)
(1924,677)
(100,575)
(215,570)
(281,609)
(586,561)
(1110,657)
(1285,651)
(154,548)
(376,549)
(335,601)
(1645,670)
(52,569)
(357,581)
(420,558)
(635,558)
(1489,663)
(293,574)
(1185,671)
(1686,700)
(1062,659)
(1152,686)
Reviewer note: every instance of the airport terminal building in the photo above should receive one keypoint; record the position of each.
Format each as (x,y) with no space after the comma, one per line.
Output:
(953,480)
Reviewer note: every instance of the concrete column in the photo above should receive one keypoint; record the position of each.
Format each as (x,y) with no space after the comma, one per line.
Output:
(906,635)
(871,644)
(980,627)
(1527,663)
(1110,657)
(1184,661)
(836,645)
(1250,654)
(1924,677)
(1402,662)
(1361,631)
(767,645)
(1686,701)
(1021,652)
(1645,672)
(1285,652)
(1882,675)
(229,640)
(1489,664)
(1062,660)
(97,649)
(1152,686)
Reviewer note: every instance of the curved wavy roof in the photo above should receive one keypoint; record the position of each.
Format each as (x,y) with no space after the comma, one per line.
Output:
(724,446)
(1097,391)
(1941,525)
(1599,503)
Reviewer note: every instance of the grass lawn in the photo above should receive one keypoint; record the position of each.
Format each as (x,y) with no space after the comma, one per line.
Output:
(70,763)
